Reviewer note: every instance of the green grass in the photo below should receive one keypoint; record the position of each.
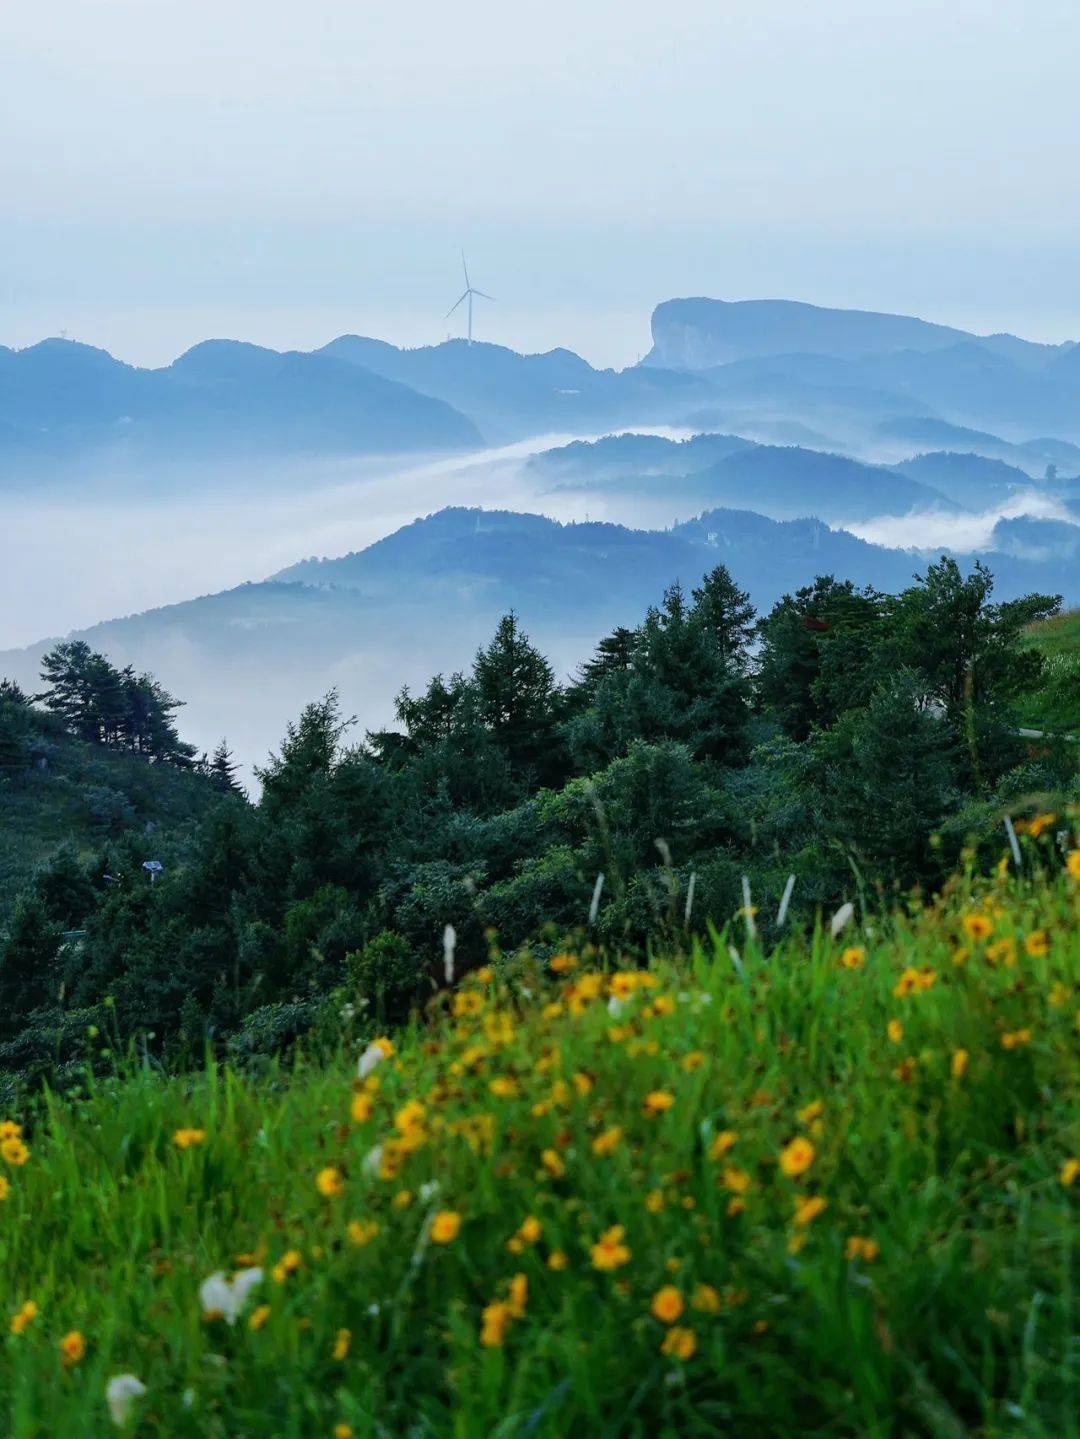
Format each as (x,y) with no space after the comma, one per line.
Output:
(963,1323)
(1057,705)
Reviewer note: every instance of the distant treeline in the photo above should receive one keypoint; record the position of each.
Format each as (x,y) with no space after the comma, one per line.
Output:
(853,739)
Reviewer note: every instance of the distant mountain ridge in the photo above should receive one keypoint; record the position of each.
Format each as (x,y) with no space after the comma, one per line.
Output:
(60,399)
(695,334)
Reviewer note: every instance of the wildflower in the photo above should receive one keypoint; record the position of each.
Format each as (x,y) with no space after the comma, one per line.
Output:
(495,1320)
(342,1340)
(5,1188)
(905,1071)
(121,1393)
(858,1247)
(343,1431)
(705,1299)
(1058,995)
(409,1117)
(722,1142)
(609,1252)
(1002,951)
(959,1063)
(188,1138)
(504,1086)
(735,1206)
(797,1157)
(445,1226)
(693,1061)
(736,1180)
(1040,823)
(841,919)
(977,926)
(362,1107)
(808,1207)
(607,1142)
(1037,944)
(10,1130)
(553,1163)
(519,1295)
(1072,864)
(1070,1171)
(557,1259)
(467,1002)
(329,1182)
(853,957)
(667,1304)
(259,1315)
(679,1343)
(402,1199)
(361,1231)
(484,975)
(657,1101)
(14,1151)
(562,963)
(895,1030)
(654,1201)
(72,1348)
(23,1317)
(1016,1039)
(530,1229)
(223,1298)
(376,1052)
(583,1083)
(810,1112)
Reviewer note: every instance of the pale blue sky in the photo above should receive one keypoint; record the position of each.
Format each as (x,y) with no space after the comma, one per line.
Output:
(285,171)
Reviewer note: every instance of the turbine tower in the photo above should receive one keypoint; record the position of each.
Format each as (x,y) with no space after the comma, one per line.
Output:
(467,294)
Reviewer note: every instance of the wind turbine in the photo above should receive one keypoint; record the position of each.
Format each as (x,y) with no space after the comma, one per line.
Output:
(468,294)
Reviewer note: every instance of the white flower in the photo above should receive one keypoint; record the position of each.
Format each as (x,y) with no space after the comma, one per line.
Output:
(842,918)
(120,1395)
(615,1006)
(227,1297)
(449,941)
(373,1160)
(428,1191)
(370,1059)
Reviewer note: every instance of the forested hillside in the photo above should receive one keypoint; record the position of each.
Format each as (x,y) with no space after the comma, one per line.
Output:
(855,741)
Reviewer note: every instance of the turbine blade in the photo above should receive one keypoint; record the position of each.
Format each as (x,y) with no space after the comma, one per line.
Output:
(482,295)
(454,306)
(465,268)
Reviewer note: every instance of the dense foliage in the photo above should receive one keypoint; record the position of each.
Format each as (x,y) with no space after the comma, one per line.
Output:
(826,1189)
(852,739)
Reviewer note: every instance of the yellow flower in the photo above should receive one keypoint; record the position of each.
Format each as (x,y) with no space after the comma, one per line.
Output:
(1016,1039)
(808,1207)
(409,1117)
(654,1201)
(14,1151)
(722,1142)
(467,1002)
(342,1341)
(10,1130)
(977,926)
(693,1061)
(187,1138)
(361,1231)
(402,1199)
(530,1229)
(484,975)
(1037,944)
(667,1304)
(343,1431)
(503,1086)
(1040,823)
(810,1112)
(853,957)
(797,1157)
(495,1320)
(679,1343)
(72,1348)
(1070,1171)
(1002,951)
(5,1188)
(259,1316)
(706,1299)
(23,1317)
(607,1142)
(858,1247)
(895,1030)
(609,1252)
(329,1182)
(736,1180)
(362,1108)
(657,1101)
(563,964)
(519,1295)
(557,1259)
(959,1063)
(445,1226)
(553,1163)
(1072,864)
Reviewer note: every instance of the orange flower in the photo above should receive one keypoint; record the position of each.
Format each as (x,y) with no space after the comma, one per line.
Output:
(445,1226)
(657,1101)
(797,1157)
(667,1304)
(609,1252)
(72,1348)
(679,1343)
(959,1063)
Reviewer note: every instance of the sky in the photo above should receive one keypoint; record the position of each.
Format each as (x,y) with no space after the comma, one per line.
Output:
(285,172)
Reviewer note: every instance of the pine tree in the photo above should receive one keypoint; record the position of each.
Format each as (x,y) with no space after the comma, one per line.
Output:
(517,701)
(222,771)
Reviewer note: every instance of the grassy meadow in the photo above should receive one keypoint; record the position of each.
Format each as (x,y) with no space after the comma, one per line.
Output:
(1057,703)
(830,1189)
